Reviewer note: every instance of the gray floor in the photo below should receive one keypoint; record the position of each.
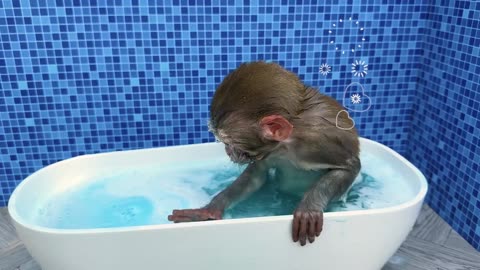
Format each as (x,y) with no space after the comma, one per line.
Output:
(432,245)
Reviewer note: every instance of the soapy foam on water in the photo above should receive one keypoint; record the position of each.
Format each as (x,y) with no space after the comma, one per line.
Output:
(147,196)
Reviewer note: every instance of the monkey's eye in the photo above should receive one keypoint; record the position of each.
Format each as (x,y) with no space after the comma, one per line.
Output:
(250,152)
(217,139)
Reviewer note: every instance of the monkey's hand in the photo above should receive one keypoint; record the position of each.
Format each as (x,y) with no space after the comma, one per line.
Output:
(306,224)
(200,214)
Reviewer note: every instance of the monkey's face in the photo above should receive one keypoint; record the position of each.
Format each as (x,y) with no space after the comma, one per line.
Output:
(237,155)
(241,148)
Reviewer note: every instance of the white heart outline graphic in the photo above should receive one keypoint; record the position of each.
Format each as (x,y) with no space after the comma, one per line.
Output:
(348,115)
(363,95)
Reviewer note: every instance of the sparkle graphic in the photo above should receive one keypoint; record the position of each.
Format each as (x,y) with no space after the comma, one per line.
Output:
(324,69)
(347,25)
(355,98)
(359,68)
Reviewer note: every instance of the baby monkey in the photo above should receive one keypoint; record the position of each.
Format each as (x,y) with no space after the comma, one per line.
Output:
(267,118)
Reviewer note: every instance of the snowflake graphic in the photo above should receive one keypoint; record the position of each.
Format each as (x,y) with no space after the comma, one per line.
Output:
(359,68)
(325,69)
(355,98)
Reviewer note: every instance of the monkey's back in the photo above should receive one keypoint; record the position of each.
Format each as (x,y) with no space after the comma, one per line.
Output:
(318,125)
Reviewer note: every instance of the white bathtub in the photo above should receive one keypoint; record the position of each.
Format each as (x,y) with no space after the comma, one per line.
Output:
(361,240)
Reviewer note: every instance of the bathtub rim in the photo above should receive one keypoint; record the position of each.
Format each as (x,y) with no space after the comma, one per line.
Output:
(419,197)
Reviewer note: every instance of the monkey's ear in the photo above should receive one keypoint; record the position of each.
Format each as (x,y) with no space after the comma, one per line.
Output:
(276,127)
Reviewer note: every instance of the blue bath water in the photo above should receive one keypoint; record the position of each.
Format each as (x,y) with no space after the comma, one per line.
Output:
(147,196)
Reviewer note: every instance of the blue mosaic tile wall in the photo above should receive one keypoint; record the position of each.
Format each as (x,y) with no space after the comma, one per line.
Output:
(445,138)
(85,76)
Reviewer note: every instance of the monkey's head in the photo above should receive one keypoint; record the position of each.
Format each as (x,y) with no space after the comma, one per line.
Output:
(253,108)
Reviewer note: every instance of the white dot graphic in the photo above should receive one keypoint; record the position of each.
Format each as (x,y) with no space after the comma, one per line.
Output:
(343,24)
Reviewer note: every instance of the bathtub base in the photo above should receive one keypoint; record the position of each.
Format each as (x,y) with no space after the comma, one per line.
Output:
(360,242)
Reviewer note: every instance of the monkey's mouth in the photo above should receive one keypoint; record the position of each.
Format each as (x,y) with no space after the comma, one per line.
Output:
(238,156)
(241,159)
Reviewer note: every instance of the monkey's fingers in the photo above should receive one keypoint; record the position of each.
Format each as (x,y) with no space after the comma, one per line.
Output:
(194,215)
(311,230)
(306,224)
(184,212)
(302,234)
(319,224)
(202,214)
(178,219)
(183,216)
(190,217)
(295,227)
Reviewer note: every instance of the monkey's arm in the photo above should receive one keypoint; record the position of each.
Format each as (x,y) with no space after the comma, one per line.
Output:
(248,182)
(308,217)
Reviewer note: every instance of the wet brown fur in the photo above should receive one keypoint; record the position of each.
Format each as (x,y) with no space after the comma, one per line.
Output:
(258,89)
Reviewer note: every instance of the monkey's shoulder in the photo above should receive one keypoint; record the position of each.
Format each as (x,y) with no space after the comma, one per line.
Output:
(321,110)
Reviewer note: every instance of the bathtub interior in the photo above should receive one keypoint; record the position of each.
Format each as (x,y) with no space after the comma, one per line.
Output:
(35,193)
